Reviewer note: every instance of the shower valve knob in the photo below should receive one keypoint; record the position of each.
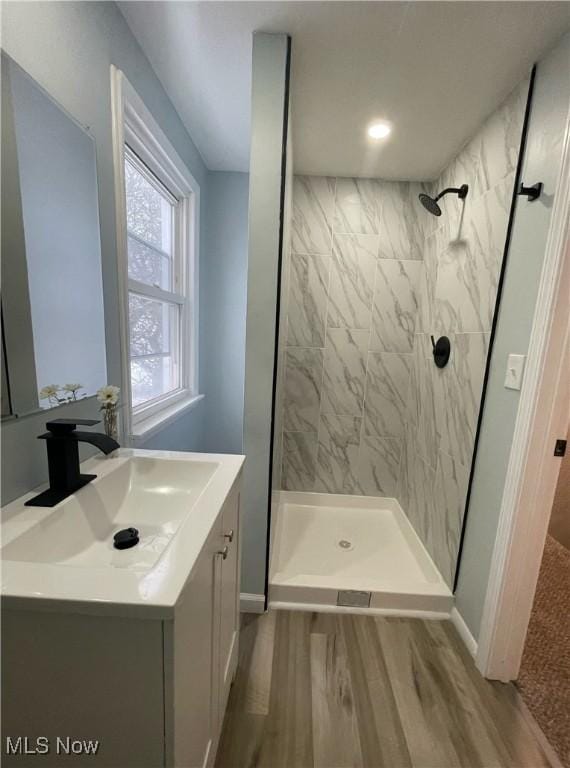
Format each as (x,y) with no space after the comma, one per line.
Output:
(441,351)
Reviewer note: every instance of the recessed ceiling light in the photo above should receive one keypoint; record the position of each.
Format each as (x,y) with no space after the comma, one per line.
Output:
(379,130)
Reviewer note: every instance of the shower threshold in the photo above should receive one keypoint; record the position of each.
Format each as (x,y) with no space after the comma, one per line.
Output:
(356,554)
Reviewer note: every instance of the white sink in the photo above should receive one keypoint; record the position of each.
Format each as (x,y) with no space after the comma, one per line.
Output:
(150,494)
(66,552)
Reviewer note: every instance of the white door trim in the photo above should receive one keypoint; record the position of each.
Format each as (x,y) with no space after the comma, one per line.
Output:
(533,470)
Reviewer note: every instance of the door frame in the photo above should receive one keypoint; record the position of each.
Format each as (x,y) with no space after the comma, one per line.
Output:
(533,470)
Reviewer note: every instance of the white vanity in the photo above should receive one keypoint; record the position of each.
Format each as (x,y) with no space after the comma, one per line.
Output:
(134,648)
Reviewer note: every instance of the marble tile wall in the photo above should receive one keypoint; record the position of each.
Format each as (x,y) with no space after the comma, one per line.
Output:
(372,276)
(462,257)
(356,257)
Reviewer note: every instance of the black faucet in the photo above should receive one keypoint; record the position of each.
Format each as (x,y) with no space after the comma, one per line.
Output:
(62,441)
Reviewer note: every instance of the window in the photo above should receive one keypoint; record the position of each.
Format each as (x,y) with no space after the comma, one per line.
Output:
(156,295)
(158,240)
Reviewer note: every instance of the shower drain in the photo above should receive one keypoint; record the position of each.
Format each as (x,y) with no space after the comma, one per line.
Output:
(344,544)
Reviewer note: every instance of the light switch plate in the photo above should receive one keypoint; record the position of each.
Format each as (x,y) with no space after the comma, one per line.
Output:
(515,368)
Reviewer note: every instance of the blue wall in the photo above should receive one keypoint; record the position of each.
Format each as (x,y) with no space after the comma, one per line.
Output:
(223,297)
(216,424)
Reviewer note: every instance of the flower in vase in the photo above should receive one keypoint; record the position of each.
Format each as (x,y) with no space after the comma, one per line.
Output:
(50,390)
(108,396)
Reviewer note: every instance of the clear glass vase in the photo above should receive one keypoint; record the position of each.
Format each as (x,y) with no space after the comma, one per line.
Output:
(110,421)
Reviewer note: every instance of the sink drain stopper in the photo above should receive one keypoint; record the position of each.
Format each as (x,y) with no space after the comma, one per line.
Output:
(126,538)
(344,544)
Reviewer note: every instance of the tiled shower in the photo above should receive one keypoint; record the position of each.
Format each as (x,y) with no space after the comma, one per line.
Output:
(368,277)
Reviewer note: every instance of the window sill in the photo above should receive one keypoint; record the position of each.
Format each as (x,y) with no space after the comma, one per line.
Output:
(145,428)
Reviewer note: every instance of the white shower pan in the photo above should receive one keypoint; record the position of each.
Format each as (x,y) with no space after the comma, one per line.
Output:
(328,551)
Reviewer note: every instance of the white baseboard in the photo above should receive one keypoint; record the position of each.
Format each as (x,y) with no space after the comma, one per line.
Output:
(464,632)
(249,603)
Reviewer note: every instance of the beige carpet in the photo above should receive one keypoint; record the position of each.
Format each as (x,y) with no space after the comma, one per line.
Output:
(544,679)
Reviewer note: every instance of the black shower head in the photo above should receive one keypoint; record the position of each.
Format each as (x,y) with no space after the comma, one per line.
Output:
(431,204)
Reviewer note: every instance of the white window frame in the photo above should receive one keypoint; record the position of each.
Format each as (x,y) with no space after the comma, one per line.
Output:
(135,127)
(178,293)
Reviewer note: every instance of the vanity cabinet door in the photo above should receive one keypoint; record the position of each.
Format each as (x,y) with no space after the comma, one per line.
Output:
(191,663)
(229,598)
(201,645)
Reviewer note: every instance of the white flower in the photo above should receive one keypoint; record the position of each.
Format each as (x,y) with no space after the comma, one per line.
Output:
(50,390)
(108,395)
(71,387)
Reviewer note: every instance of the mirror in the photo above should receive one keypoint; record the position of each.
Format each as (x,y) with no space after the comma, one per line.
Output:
(53,331)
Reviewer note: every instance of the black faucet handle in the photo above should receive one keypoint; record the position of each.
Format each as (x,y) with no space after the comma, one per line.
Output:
(59,427)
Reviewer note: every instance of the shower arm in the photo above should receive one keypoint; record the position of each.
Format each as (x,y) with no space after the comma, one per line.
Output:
(457,190)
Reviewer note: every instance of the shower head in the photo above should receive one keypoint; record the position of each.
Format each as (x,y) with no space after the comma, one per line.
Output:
(430,203)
